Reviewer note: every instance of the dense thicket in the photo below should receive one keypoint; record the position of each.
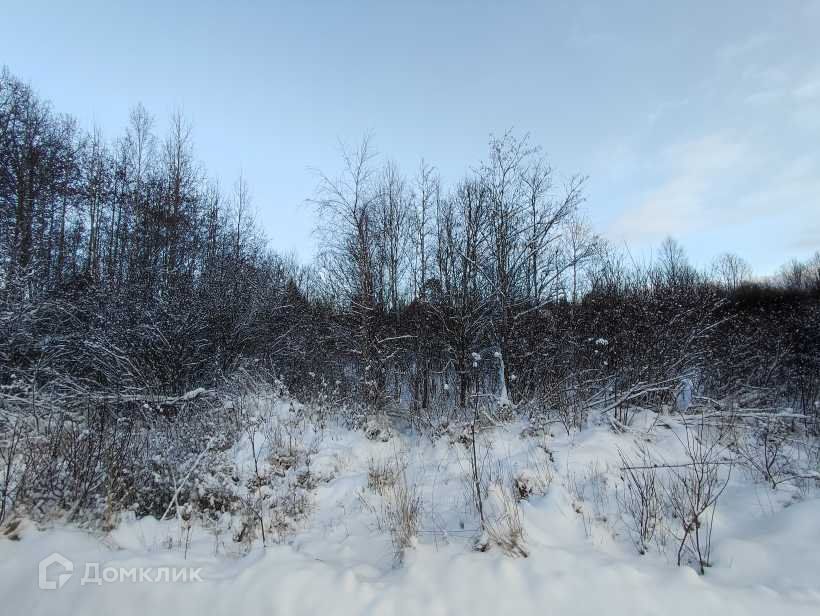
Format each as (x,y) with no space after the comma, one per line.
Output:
(125,271)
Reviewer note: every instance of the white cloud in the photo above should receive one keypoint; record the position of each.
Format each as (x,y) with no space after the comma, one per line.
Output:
(675,208)
(665,108)
(717,182)
(680,204)
(736,50)
(807,91)
(791,188)
(765,97)
(706,155)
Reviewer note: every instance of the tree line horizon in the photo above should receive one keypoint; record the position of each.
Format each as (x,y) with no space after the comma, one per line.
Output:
(124,267)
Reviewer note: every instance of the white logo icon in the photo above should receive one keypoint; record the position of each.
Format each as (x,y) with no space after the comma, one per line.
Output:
(61,563)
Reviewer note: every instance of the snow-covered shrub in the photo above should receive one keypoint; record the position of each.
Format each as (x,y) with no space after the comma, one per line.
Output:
(503,486)
(381,475)
(590,494)
(571,409)
(12,465)
(12,529)
(114,454)
(529,482)
(216,489)
(808,456)
(640,498)
(400,506)
(290,506)
(250,523)
(377,429)
(81,468)
(692,490)
(504,526)
(524,484)
(763,448)
(402,511)
(536,478)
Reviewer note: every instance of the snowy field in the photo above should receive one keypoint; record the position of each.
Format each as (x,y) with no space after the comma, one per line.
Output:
(557,501)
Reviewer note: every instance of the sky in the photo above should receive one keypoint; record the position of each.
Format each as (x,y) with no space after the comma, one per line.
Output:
(699,120)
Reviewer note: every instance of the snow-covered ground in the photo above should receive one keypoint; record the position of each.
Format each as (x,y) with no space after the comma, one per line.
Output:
(340,558)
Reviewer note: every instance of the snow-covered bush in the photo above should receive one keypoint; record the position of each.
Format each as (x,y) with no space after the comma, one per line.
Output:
(290,506)
(504,526)
(640,498)
(399,511)
(402,514)
(589,489)
(764,449)
(692,490)
(382,475)
(377,429)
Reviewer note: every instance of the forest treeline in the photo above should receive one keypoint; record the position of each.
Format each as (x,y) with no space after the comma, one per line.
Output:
(127,271)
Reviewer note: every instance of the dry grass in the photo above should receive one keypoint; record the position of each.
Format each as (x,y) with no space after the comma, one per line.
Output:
(401,503)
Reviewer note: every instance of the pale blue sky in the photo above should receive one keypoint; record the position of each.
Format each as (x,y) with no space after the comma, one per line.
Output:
(696,119)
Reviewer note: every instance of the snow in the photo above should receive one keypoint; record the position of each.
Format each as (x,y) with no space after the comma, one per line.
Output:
(683,397)
(503,397)
(194,393)
(341,559)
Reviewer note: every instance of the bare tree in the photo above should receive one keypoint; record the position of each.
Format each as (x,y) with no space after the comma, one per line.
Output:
(349,231)
(731,270)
